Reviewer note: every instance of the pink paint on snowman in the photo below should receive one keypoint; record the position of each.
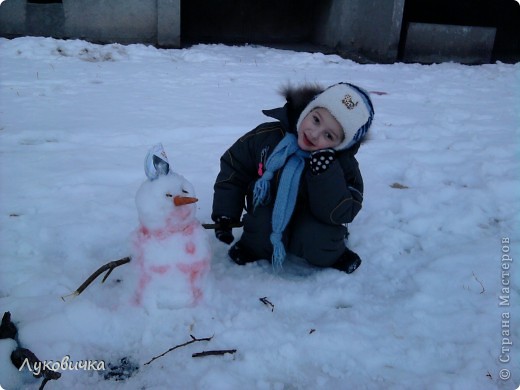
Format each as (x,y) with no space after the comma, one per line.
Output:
(171,248)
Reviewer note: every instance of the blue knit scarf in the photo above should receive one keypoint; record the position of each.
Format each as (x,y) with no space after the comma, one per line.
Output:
(288,155)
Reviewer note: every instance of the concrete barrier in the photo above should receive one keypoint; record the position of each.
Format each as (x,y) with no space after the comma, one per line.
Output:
(44,20)
(119,21)
(122,21)
(169,23)
(429,43)
(369,28)
(12,17)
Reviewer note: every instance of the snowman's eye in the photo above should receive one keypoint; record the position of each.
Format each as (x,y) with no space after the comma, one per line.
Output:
(185,192)
(169,195)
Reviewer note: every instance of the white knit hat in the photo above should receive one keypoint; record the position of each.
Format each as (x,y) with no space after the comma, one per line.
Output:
(350,106)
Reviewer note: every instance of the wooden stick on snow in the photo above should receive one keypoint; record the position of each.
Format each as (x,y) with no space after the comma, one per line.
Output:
(110,266)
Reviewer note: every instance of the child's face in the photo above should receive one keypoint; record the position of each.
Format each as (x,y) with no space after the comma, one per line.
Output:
(319,130)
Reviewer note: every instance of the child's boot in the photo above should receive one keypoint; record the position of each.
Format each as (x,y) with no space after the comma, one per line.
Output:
(348,262)
(239,255)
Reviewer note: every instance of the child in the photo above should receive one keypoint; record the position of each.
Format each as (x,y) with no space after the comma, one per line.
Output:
(297,178)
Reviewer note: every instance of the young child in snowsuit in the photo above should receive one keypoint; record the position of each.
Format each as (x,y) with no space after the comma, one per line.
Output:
(297,179)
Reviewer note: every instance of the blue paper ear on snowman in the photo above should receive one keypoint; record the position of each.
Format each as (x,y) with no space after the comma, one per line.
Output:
(156,162)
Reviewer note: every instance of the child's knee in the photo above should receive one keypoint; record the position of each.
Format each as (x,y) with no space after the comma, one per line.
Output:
(323,255)
(255,237)
(321,245)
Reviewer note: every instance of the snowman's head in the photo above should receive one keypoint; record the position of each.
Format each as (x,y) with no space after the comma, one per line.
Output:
(166,202)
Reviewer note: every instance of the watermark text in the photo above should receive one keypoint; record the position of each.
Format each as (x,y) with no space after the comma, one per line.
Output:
(39,367)
(505,303)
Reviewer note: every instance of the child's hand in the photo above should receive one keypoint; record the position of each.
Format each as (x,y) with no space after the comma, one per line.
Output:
(321,160)
(223,231)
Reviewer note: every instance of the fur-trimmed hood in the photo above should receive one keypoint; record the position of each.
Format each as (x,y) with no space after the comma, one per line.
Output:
(297,98)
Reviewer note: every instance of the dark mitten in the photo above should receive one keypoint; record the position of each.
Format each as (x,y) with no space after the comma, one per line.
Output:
(223,230)
(320,160)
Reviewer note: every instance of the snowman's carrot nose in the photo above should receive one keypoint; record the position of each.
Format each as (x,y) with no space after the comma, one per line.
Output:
(182,200)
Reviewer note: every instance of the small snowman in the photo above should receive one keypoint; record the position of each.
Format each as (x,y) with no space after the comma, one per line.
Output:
(171,251)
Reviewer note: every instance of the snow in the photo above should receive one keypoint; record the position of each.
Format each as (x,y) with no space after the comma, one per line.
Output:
(441,211)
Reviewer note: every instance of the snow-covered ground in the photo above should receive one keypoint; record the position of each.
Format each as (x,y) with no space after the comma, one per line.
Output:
(440,219)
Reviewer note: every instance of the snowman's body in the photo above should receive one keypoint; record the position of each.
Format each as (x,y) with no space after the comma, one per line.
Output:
(171,249)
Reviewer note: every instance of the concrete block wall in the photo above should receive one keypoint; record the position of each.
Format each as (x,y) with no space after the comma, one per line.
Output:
(370,28)
(383,31)
(12,17)
(169,23)
(44,19)
(105,21)
(427,43)
(115,20)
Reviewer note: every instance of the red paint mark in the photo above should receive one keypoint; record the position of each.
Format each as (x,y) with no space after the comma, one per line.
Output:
(194,272)
(197,294)
(143,282)
(160,269)
(190,247)
(144,231)
(188,230)
(167,231)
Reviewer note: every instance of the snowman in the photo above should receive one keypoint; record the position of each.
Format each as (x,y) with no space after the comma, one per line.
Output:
(171,251)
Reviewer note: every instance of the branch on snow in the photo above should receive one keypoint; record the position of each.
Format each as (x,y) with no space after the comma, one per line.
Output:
(193,340)
(481,285)
(110,266)
(266,302)
(214,353)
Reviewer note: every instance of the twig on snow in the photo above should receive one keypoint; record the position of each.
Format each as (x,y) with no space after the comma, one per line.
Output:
(266,302)
(193,340)
(481,285)
(214,353)
(107,267)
